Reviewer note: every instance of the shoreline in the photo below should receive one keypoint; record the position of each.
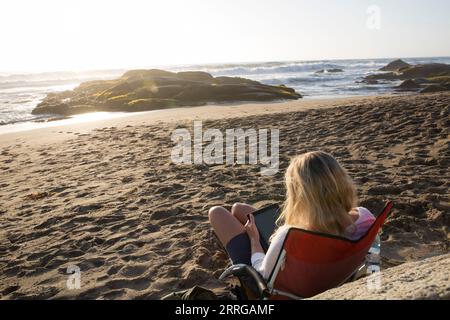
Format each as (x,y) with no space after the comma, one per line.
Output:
(52,131)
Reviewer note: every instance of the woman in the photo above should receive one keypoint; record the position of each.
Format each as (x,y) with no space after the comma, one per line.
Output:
(320,196)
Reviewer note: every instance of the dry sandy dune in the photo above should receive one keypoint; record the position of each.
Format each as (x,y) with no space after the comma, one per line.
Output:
(110,200)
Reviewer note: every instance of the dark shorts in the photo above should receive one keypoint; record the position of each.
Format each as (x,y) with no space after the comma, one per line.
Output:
(239,249)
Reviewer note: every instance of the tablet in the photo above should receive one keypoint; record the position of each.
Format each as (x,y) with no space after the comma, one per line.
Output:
(265,219)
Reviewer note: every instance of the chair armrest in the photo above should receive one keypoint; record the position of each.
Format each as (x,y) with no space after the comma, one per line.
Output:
(244,270)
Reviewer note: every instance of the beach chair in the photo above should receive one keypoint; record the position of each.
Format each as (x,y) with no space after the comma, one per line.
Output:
(312,262)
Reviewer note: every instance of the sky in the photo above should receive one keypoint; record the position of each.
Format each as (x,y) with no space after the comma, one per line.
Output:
(55,35)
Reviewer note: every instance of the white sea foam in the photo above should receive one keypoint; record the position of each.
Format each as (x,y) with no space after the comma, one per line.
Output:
(20,93)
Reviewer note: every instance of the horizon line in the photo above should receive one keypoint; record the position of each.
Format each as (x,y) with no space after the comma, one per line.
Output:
(24,72)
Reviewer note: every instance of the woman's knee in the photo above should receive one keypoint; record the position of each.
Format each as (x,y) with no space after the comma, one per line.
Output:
(215,212)
(239,209)
(236,208)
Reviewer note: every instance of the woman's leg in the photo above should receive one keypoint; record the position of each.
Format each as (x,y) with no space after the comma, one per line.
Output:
(241,210)
(231,234)
(228,224)
(225,225)
(229,228)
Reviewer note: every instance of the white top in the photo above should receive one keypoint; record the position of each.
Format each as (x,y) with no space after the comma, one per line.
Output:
(264,263)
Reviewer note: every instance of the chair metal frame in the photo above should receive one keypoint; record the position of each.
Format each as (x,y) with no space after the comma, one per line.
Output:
(266,288)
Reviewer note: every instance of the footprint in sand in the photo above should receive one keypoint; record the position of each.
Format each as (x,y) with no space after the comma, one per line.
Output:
(114,270)
(115,294)
(91,263)
(132,271)
(161,214)
(10,290)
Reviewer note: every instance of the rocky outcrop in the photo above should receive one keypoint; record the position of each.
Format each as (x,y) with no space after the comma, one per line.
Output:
(368,81)
(395,65)
(424,71)
(430,77)
(434,88)
(428,70)
(141,90)
(333,70)
(408,85)
(426,279)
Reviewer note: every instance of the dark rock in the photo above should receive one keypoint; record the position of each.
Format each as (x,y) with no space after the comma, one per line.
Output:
(421,81)
(395,65)
(333,70)
(408,85)
(143,74)
(434,88)
(426,71)
(195,75)
(141,90)
(370,81)
(432,72)
(381,76)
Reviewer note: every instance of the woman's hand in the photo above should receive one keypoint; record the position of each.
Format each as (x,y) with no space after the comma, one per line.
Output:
(251,229)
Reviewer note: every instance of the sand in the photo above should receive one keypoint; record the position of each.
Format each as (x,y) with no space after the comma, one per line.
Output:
(419,280)
(105,196)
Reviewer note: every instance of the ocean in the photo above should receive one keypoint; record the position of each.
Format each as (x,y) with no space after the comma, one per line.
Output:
(20,93)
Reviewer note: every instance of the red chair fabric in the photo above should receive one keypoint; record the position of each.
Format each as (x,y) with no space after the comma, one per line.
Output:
(316,262)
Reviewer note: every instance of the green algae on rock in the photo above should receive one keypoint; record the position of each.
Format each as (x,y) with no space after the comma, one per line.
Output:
(142,90)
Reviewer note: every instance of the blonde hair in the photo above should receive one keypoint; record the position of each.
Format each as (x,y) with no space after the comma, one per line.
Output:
(319,194)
